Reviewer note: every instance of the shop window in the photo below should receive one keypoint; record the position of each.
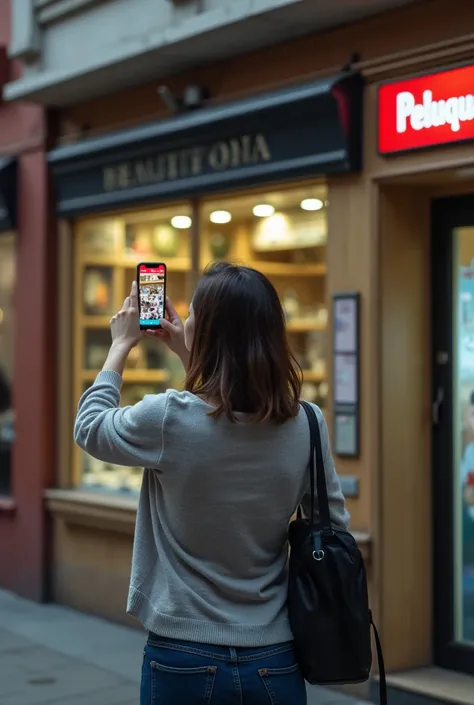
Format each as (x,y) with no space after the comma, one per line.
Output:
(107,251)
(7,286)
(282,233)
(463,336)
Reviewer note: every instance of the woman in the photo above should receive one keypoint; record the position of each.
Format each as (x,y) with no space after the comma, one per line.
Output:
(226,467)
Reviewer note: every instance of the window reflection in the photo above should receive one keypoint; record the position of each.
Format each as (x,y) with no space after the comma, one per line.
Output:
(463,494)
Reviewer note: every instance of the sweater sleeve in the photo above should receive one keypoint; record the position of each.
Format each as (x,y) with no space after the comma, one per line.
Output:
(337,509)
(132,435)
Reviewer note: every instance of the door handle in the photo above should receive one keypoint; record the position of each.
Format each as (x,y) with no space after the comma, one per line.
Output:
(436,405)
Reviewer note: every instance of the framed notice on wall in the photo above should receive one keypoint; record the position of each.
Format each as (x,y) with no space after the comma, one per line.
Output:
(346,330)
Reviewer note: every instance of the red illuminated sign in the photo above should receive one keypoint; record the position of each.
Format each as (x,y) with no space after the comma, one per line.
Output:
(426,111)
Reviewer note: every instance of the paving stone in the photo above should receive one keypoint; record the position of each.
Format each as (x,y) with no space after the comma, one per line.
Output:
(11,643)
(51,655)
(33,685)
(117,695)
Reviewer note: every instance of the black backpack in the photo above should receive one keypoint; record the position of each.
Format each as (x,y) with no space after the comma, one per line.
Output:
(327,593)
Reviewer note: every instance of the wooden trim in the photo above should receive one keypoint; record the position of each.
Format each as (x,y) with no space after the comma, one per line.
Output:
(110,512)
(404,503)
(95,510)
(78,343)
(419,59)
(195,236)
(64,374)
(419,165)
(374,314)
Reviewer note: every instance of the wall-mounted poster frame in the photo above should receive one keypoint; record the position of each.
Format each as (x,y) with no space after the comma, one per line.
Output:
(346,373)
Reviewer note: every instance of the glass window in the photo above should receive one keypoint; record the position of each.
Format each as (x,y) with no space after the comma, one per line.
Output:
(283,234)
(464,434)
(107,252)
(7,288)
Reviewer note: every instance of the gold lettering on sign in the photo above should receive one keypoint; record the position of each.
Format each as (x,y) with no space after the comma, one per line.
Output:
(235,152)
(262,152)
(109,180)
(219,156)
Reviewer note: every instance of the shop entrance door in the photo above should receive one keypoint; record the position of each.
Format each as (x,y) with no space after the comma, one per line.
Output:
(453,430)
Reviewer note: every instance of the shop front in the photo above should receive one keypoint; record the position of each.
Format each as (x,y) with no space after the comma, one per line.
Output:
(27,349)
(421,169)
(244,181)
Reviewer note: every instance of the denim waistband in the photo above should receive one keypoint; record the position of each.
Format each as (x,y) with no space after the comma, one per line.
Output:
(220,653)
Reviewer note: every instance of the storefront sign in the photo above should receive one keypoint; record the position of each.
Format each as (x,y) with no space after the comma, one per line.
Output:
(310,129)
(221,156)
(426,111)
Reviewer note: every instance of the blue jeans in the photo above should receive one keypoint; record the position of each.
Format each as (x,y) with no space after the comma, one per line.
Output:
(187,673)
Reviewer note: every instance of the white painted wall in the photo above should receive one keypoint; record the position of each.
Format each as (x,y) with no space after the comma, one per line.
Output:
(73,49)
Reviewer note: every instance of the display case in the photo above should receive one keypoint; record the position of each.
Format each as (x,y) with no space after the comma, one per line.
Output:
(107,251)
(281,233)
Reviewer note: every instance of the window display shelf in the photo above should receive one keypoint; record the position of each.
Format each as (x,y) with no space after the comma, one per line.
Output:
(304,326)
(174,264)
(140,376)
(95,321)
(289,269)
(311,376)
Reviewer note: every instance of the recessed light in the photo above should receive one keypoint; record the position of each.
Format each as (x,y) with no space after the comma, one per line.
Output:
(220,217)
(263,210)
(181,222)
(311,204)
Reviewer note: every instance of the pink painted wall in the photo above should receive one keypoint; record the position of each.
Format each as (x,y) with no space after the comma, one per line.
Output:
(23,526)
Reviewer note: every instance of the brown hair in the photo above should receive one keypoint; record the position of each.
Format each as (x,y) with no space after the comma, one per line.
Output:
(240,357)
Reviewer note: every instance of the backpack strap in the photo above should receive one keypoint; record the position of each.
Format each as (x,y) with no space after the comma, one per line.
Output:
(381,662)
(316,470)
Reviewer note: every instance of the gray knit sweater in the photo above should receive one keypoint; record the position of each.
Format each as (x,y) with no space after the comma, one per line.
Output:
(210,552)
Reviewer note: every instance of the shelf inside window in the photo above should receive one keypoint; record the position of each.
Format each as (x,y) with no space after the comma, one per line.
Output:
(174,264)
(301,325)
(95,321)
(290,269)
(310,376)
(137,376)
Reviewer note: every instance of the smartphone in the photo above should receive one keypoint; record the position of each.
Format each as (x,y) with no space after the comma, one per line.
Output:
(151,283)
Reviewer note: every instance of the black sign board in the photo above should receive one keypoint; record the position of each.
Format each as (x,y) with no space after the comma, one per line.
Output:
(310,129)
(8,193)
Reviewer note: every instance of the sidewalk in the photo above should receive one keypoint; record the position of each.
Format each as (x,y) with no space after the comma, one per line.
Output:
(51,655)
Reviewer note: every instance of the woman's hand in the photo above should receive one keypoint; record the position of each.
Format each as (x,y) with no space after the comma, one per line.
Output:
(172,333)
(125,325)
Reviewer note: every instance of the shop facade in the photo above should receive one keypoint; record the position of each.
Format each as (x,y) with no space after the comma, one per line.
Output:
(387,217)
(244,181)
(27,338)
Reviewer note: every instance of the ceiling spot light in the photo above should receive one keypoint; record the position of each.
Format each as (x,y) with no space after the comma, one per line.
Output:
(220,217)
(181,222)
(311,204)
(263,210)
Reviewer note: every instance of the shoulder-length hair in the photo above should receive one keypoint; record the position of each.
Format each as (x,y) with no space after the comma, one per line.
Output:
(240,358)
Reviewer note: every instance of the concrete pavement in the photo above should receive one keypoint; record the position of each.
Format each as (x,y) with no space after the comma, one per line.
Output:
(51,655)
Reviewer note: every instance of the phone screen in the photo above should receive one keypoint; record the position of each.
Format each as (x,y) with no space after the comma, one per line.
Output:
(151,293)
